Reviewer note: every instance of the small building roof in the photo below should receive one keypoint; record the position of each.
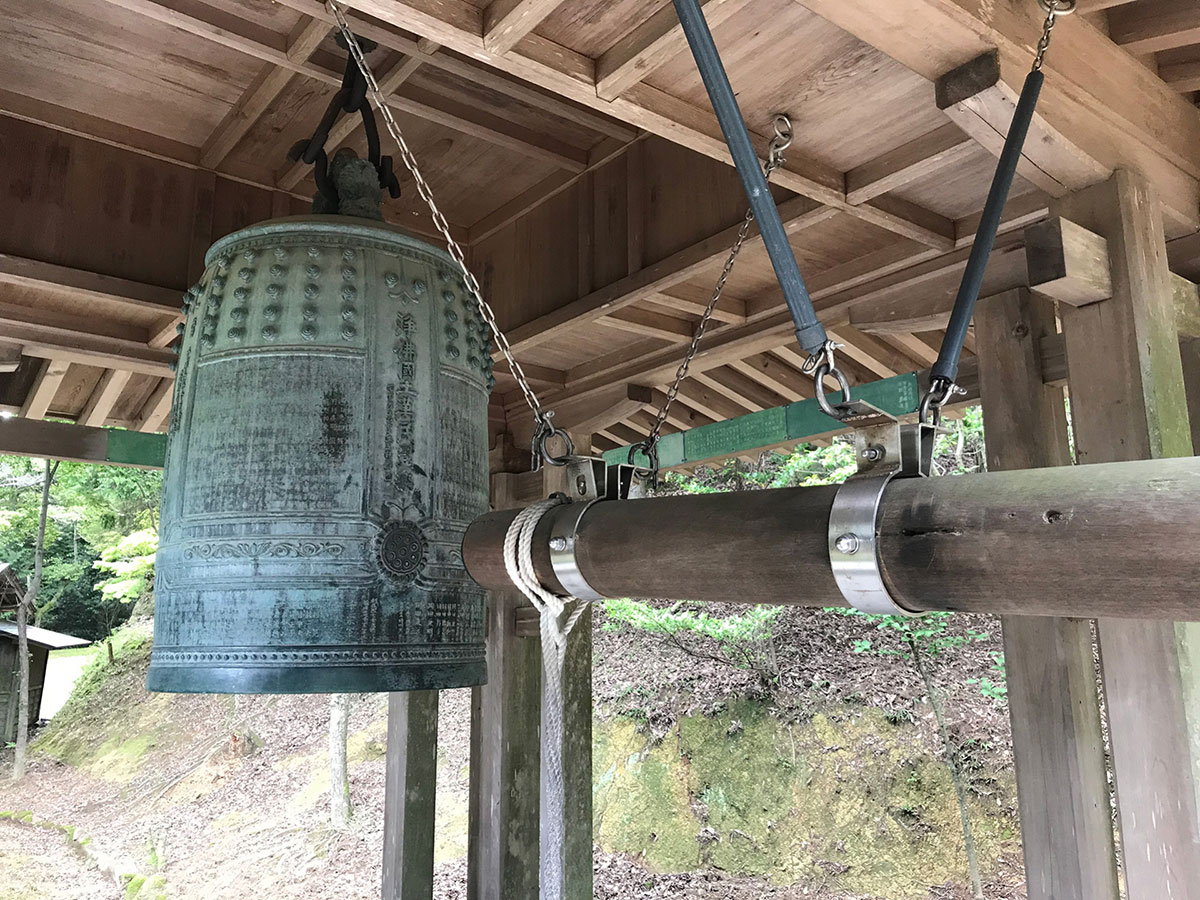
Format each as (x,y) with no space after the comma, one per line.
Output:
(11,589)
(42,637)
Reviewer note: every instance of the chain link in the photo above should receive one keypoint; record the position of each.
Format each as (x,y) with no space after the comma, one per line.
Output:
(779,143)
(1054,9)
(543,427)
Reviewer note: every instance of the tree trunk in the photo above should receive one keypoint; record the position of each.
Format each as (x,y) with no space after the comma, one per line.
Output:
(339,774)
(20,758)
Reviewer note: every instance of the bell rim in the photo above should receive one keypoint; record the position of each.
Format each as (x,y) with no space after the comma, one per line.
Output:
(366,679)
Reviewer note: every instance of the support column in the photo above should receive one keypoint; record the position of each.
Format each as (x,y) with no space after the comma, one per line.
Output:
(1058,748)
(577,736)
(1127,402)
(408,816)
(502,851)
(503,854)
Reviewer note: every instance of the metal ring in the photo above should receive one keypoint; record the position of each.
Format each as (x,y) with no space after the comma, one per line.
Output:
(853,546)
(784,135)
(1058,7)
(651,454)
(819,384)
(564,533)
(543,445)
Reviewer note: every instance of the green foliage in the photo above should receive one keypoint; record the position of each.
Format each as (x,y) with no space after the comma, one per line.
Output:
(92,510)
(994,690)
(743,641)
(130,564)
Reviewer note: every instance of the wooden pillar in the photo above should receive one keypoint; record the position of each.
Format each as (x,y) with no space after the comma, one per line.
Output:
(577,734)
(503,854)
(1189,352)
(1058,747)
(408,817)
(1127,402)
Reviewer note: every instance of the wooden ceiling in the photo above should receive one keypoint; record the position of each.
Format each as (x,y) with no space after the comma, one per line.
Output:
(571,146)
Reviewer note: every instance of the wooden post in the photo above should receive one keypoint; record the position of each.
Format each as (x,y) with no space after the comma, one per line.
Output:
(1058,747)
(502,852)
(1127,402)
(577,735)
(408,817)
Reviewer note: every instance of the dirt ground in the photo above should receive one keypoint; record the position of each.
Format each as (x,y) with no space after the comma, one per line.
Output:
(164,785)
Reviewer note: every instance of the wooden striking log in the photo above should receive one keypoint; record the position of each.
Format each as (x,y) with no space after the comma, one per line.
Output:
(1119,539)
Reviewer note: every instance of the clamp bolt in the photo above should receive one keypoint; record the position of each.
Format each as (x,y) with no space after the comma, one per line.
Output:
(873,453)
(558,544)
(848,544)
(581,486)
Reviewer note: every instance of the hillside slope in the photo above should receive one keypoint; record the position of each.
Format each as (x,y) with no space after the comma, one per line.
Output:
(705,787)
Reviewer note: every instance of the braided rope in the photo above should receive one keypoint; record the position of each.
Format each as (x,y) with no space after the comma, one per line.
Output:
(557,617)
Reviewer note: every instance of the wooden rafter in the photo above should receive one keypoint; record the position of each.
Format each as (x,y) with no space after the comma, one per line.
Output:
(459,26)
(907,163)
(1153,25)
(1116,111)
(797,213)
(506,22)
(154,412)
(652,44)
(49,378)
(260,94)
(104,397)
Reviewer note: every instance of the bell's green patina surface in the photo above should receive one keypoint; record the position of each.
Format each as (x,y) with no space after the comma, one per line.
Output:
(328,447)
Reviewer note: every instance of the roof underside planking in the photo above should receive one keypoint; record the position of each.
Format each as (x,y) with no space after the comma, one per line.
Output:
(573,150)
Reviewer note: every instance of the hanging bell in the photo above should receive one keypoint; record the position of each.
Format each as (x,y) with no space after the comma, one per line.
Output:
(328,447)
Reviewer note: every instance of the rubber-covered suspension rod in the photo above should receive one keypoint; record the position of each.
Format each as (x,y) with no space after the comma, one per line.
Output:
(809,331)
(946,367)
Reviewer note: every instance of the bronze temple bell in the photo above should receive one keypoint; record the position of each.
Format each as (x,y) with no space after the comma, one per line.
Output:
(328,448)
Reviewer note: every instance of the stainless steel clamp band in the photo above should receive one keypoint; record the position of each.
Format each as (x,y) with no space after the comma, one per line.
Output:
(564,531)
(853,550)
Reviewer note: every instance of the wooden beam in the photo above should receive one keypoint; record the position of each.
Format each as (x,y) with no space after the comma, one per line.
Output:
(1128,402)
(926,155)
(586,414)
(49,379)
(502,846)
(651,280)
(693,300)
(459,26)
(1182,75)
(1115,110)
(10,357)
(715,405)
(981,104)
(104,397)
(260,94)
(86,286)
(651,324)
(410,795)
(506,22)
(1058,743)
(489,76)
(882,359)
(77,443)
(776,375)
(1068,263)
(740,388)
(154,412)
(652,44)
(1154,25)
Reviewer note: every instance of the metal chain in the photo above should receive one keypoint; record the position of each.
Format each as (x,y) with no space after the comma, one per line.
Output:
(543,427)
(779,143)
(1054,9)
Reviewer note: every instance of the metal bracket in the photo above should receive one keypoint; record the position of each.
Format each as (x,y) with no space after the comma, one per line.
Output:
(885,449)
(590,480)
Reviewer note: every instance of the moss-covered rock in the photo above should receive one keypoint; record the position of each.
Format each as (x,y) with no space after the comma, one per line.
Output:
(846,798)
